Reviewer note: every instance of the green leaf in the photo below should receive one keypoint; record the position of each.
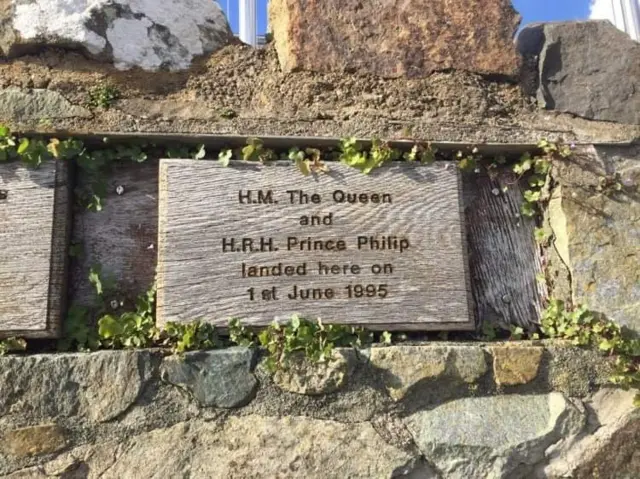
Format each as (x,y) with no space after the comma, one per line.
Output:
(386,338)
(524,164)
(532,196)
(304,166)
(200,153)
(5,132)
(95,280)
(109,327)
(224,157)
(24,146)
(540,235)
(12,345)
(528,209)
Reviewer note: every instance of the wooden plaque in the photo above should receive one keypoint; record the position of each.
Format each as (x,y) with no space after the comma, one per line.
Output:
(34,231)
(258,243)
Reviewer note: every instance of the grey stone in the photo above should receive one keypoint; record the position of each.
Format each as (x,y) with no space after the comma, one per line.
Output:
(304,377)
(596,233)
(610,451)
(470,363)
(576,372)
(501,436)
(18,105)
(590,69)
(221,378)
(248,446)
(97,386)
(149,35)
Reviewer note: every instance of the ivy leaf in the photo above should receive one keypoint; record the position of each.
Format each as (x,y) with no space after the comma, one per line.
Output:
(224,157)
(295,322)
(94,279)
(24,146)
(200,153)
(304,166)
(12,345)
(4,131)
(532,196)
(386,338)
(54,147)
(523,165)
(109,327)
(517,333)
(540,235)
(412,155)
(528,209)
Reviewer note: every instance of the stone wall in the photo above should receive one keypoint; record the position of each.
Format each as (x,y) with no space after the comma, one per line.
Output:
(442,410)
(450,410)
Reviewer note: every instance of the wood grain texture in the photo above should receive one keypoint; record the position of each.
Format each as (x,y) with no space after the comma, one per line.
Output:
(34,233)
(503,253)
(199,206)
(122,237)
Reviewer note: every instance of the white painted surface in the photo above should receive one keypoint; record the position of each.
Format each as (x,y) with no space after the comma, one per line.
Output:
(248,22)
(165,33)
(624,14)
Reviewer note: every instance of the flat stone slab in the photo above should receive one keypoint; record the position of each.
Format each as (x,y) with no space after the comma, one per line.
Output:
(34,229)
(385,250)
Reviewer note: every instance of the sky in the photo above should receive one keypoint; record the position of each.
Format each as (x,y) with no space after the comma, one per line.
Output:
(531,11)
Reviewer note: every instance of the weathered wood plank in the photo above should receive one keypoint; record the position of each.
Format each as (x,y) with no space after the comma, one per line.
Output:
(504,256)
(203,272)
(122,237)
(34,232)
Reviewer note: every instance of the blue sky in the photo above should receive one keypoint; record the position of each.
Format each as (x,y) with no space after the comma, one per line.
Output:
(531,11)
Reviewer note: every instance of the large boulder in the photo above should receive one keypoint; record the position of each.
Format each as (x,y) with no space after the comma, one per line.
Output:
(590,69)
(130,33)
(393,39)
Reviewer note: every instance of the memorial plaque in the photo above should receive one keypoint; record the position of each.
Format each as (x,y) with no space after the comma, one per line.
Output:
(258,243)
(34,227)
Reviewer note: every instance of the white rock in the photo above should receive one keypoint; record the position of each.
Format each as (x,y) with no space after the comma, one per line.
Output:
(149,34)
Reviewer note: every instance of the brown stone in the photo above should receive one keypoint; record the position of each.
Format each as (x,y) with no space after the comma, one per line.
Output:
(35,440)
(409,38)
(514,365)
(403,367)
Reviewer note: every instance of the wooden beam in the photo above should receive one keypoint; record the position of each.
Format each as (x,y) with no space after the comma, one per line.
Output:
(504,255)
(34,232)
